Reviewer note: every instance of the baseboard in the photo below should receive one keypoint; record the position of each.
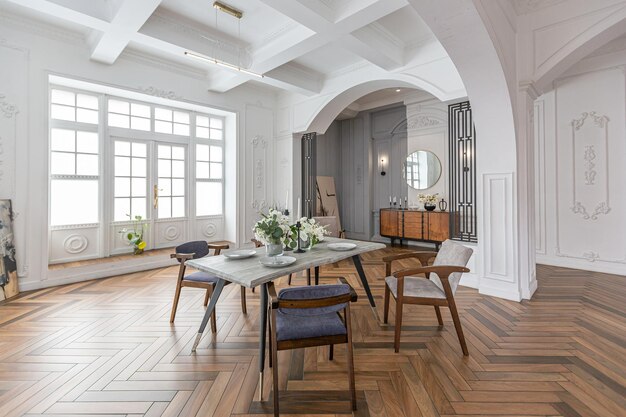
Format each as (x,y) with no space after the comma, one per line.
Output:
(582,264)
(470,280)
(513,295)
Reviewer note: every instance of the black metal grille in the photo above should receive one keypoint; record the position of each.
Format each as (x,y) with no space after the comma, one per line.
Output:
(462,137)
(309,193)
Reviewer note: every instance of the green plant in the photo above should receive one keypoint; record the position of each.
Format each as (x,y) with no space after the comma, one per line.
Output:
(272,228)
(135,234)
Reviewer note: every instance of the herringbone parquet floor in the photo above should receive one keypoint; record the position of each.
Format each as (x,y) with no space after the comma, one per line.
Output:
(106,348)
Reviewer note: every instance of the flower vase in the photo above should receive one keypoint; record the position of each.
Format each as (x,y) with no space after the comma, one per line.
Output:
(306,244)
(273,250)
(429,207)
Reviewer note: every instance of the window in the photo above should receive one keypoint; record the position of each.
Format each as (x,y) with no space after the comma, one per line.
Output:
(110,163)
(130,183)
(73,107)
(129,115)
(171,121)
(171,181)
(209,128)
(209,169)
(74,167)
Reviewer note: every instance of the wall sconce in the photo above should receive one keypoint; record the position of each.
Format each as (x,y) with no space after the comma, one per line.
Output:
(382,167)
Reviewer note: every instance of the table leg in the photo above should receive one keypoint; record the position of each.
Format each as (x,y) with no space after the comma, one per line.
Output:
(219,286)
(262,335)
(359,268)
(317,275)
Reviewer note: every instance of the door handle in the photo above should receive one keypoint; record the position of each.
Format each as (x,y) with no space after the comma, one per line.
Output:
(155,197)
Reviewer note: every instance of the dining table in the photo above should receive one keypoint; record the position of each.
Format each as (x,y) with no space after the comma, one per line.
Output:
(250,273)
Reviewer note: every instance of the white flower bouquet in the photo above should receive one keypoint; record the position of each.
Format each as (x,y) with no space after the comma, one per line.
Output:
(311,232)
(428,199)
(273,228)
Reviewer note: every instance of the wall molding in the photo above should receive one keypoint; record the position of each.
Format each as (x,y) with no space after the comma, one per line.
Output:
(589,163)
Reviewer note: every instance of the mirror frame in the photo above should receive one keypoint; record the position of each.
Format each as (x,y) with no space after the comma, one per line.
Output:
(406,165)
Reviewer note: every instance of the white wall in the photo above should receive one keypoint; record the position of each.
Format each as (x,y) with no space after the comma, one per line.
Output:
(427,130)
(29,52)
(580,164)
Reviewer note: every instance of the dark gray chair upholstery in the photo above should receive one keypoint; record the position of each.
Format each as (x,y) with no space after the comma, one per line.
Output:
(194,250)
(295,323)
(310,316)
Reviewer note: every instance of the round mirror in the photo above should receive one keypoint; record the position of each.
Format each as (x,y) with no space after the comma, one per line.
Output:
(423,170)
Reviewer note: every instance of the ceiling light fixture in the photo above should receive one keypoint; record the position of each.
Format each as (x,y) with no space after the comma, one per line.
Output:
(398,90)
(222,64)
(227,9)
(238,15)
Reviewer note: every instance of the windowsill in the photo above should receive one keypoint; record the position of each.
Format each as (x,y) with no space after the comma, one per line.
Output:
(110,259)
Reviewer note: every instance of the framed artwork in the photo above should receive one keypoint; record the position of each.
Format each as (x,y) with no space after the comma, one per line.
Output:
(8,265)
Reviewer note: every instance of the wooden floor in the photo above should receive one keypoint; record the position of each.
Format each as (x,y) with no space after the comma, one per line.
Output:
(106,348)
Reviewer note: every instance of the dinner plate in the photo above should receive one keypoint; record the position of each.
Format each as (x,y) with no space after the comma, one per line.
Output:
(277,261)
(341,246)
(240,254)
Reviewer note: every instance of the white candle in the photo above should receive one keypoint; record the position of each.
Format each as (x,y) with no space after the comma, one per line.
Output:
(389,199)
(394,200)
(287,201)
(299,212)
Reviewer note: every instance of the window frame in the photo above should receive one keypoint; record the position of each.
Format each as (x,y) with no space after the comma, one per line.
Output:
(106,175)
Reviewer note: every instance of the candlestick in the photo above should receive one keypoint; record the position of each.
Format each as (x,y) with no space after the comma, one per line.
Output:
(299,250)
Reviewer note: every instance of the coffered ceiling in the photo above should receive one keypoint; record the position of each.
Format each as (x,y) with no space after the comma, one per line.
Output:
(297,44)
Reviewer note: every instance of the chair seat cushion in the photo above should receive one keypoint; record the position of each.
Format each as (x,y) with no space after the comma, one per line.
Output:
(415,287)
(292,327)
(201,277)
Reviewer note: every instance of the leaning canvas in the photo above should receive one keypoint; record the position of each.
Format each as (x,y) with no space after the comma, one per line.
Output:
(8,265)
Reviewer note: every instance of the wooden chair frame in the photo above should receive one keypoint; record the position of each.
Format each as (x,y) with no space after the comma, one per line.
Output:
(443,272)
(208,286)
(275,303)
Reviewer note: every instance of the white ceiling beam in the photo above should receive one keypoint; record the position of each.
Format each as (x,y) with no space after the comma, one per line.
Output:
(377,45)
(321,31)
(64,13)
(130,17)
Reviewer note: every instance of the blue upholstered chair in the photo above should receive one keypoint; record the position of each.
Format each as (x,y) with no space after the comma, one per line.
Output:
(301,317)
(436,289)
(194,250)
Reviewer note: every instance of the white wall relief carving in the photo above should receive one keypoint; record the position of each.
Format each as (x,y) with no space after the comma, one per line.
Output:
(8,110)
(158,92)
(586,152)
(420,122)
(590,173)
(75,244)
(258,173)
(209,230)
(171,233)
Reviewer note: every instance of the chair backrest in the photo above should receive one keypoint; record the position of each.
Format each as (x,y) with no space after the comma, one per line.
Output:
(331,223)
(199,248)
(257,244)
(311,293)
(453,254)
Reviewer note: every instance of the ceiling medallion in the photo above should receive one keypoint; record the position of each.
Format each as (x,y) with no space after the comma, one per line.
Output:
(238,15)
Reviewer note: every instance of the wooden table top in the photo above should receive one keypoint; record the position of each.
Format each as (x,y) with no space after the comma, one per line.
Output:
(250,273)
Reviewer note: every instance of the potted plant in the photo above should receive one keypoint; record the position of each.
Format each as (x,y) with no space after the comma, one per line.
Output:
(273,230)
(428,200)
(135,234)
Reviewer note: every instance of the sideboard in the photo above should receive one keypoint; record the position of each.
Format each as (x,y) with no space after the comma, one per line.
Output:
(411,224)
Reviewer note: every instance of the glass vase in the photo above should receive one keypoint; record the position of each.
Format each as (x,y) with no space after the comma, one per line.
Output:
(306,244)
(274,249)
